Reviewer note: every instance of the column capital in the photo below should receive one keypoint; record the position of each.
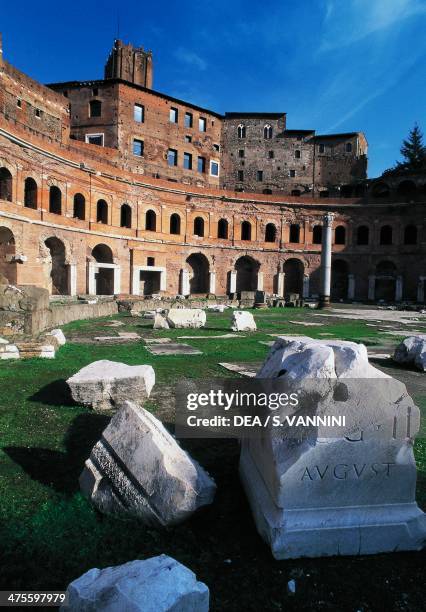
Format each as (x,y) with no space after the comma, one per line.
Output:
(328,218)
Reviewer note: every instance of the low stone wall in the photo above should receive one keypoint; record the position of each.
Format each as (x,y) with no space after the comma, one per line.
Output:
(141,304)
(65,313)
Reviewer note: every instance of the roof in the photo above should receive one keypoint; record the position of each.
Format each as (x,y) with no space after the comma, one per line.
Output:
(106,82)
(299,132)
(261,115)
(331,136)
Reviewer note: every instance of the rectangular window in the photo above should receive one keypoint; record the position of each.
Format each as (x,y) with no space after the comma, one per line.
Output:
(214,168)
(240,175)
(19,103)
(188,120)
(138,147)
(188,138)
(241,153)
(202,124)
(138,113)
(321,148)
(38,113)
(292,173)
(172,157)
(297,154)
(201,166)
(187,161)
(259,176)
(150,261)
(96,139)
(271,154)
(95,91)
(173,115)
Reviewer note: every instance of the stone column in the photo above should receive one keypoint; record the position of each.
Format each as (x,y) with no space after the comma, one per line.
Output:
(184,282)
(372,287)
(163,280)
(421,290)
(281,283)
(259,281)
(398,289)
(91,282)
(305,293)
(72,279)
(117,280)
(324,300)
(233,281)
(351,286)
(135,281)
(212,283)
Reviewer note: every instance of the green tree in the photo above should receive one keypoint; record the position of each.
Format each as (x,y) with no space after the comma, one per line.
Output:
(413,151)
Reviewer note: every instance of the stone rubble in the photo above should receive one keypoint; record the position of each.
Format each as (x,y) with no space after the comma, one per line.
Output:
(179,318)
(243,321)
(104,384)
(137,470)
(412,350)
(158,584)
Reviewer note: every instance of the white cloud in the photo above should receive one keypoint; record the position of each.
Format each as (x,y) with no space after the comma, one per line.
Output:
(190,58)
(351,21)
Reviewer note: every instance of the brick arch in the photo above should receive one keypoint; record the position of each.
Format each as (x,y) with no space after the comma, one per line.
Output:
(44,251)
(16,234)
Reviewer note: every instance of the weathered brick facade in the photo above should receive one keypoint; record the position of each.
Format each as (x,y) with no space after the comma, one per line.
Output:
(80,218)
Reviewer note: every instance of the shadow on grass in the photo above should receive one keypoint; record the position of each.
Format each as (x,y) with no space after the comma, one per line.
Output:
(56,392)
(56,469)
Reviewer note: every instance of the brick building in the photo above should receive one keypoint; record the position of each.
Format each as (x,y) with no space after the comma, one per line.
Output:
(77,217)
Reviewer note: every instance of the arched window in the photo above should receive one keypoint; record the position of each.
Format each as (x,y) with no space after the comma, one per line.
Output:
(30,193)
(5,185)
(55,200)
(246,230)
(79,206)
(95,108)
(222,229)
(295,233)
(340,235)
(380,190)
(241,130)
(410,234)
(270,232)
(102,254)
(199,226)
(175,224)
(125,216)
(151,221)
(267,132)
(102,212)
(317,234)
(363,235)
(386,235)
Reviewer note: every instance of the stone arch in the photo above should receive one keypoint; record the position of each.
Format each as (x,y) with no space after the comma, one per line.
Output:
(30,192)
(198,273)
(340,235)
(150,220)
(175,224)
(126,216)
(6,184)
(44,251)
(294,270)
(104,277)
(223,229)
(270,232)
(339,279)
(247,269)
(58,270)
(8,268)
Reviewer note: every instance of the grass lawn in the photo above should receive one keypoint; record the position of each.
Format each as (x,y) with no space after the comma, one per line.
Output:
(49,534)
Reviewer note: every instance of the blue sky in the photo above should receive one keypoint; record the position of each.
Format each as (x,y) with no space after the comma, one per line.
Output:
(332,65)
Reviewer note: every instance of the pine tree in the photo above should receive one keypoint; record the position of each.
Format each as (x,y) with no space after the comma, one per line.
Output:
(413,151)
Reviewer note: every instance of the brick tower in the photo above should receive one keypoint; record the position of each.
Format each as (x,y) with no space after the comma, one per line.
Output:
(130,64)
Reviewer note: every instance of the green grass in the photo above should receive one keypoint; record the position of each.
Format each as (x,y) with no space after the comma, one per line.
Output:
(49,534)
